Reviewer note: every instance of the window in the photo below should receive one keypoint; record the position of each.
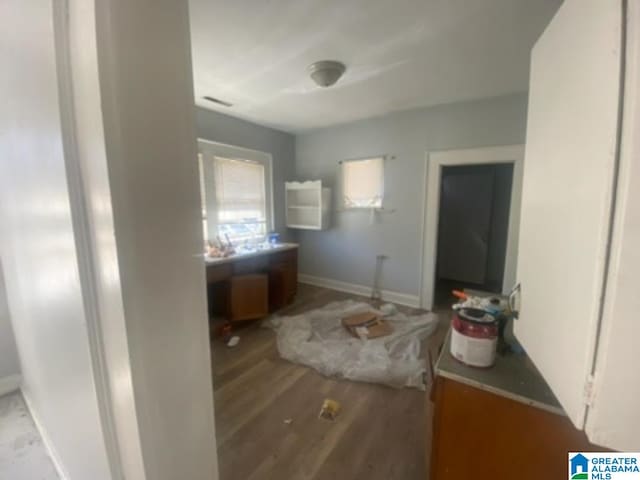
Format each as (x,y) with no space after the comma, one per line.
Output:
(240,199)
(363,182)
(235,192)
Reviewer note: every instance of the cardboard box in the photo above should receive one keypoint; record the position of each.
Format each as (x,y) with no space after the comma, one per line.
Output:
(367,325)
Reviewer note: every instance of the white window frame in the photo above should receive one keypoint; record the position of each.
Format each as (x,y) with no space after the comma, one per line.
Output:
(342,185)
(209,149)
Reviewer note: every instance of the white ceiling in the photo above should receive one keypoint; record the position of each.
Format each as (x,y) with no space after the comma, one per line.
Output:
(399,54)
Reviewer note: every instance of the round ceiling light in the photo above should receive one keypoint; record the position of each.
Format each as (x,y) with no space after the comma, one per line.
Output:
(326,72)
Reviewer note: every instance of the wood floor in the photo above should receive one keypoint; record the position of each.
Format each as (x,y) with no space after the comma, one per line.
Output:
(381,433)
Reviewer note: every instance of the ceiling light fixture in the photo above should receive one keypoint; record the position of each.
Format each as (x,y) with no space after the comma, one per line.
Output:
(326,72)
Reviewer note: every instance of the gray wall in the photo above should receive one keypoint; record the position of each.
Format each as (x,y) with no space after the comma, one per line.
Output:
(221,128)
(347,251)
(9,364)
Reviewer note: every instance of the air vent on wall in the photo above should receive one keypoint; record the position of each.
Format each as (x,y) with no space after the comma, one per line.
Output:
(218,101)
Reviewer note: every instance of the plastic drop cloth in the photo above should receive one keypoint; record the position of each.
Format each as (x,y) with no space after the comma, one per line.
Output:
(318,340)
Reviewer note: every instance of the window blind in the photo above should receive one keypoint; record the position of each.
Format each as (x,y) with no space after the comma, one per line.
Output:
(241,202)
(363,182)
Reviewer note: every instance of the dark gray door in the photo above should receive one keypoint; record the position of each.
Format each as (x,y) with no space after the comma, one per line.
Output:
(466,197)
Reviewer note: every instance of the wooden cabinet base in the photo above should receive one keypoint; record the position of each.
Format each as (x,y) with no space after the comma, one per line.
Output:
(248,297)
(283,279)
(240,288)
(481,435)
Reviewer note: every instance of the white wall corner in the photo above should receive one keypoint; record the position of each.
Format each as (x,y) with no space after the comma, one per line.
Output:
(46,439)
(10,384)
(400,298)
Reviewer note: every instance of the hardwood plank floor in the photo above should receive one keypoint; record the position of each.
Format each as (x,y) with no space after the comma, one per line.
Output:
(381,433)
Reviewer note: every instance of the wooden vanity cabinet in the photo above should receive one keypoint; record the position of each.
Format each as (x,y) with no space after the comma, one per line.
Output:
(484,435)
(283,278)
(249,287)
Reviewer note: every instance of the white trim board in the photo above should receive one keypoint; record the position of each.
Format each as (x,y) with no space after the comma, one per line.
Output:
(10,384)
(65,36)
(434,162)
(362,290)
(46,440)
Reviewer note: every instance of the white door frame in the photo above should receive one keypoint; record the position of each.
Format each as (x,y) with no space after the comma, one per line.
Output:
(434,162)
(106,335)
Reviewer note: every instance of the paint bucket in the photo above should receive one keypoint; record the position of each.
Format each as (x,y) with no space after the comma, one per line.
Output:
(474,337)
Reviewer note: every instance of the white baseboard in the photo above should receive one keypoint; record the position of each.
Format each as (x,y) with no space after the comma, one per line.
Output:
(9,384)
(46,439)
(387,295)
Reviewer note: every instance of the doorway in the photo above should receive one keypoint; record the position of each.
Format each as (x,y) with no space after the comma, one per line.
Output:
(472,213)
(473,223)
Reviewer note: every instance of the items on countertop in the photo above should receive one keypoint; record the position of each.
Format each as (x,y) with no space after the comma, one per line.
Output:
(223,249)
(474,337)
(492,305)
(219,249)
(273,238)
(478,326)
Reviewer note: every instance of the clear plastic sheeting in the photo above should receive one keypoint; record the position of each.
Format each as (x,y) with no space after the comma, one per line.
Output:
(318,340)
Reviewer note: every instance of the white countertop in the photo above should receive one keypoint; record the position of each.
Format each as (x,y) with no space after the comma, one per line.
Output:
(279,247)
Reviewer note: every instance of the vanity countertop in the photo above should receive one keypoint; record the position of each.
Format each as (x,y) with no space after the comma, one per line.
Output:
(244,254)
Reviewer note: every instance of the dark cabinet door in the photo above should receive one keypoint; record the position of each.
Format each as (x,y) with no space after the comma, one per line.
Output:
(248,297)
(283,279)
(482,435)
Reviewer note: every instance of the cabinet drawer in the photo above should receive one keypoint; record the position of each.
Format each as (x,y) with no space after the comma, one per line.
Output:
(217,273)
(251,265)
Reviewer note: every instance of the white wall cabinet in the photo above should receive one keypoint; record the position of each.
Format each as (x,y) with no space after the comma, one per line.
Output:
(307,205)
(573,233)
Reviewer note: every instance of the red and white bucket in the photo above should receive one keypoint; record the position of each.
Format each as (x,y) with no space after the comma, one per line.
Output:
(474,337)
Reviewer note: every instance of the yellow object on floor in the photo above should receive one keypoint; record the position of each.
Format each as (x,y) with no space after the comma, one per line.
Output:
(330,409)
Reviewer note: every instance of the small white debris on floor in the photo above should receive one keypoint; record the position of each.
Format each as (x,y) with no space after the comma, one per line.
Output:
(23,456)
